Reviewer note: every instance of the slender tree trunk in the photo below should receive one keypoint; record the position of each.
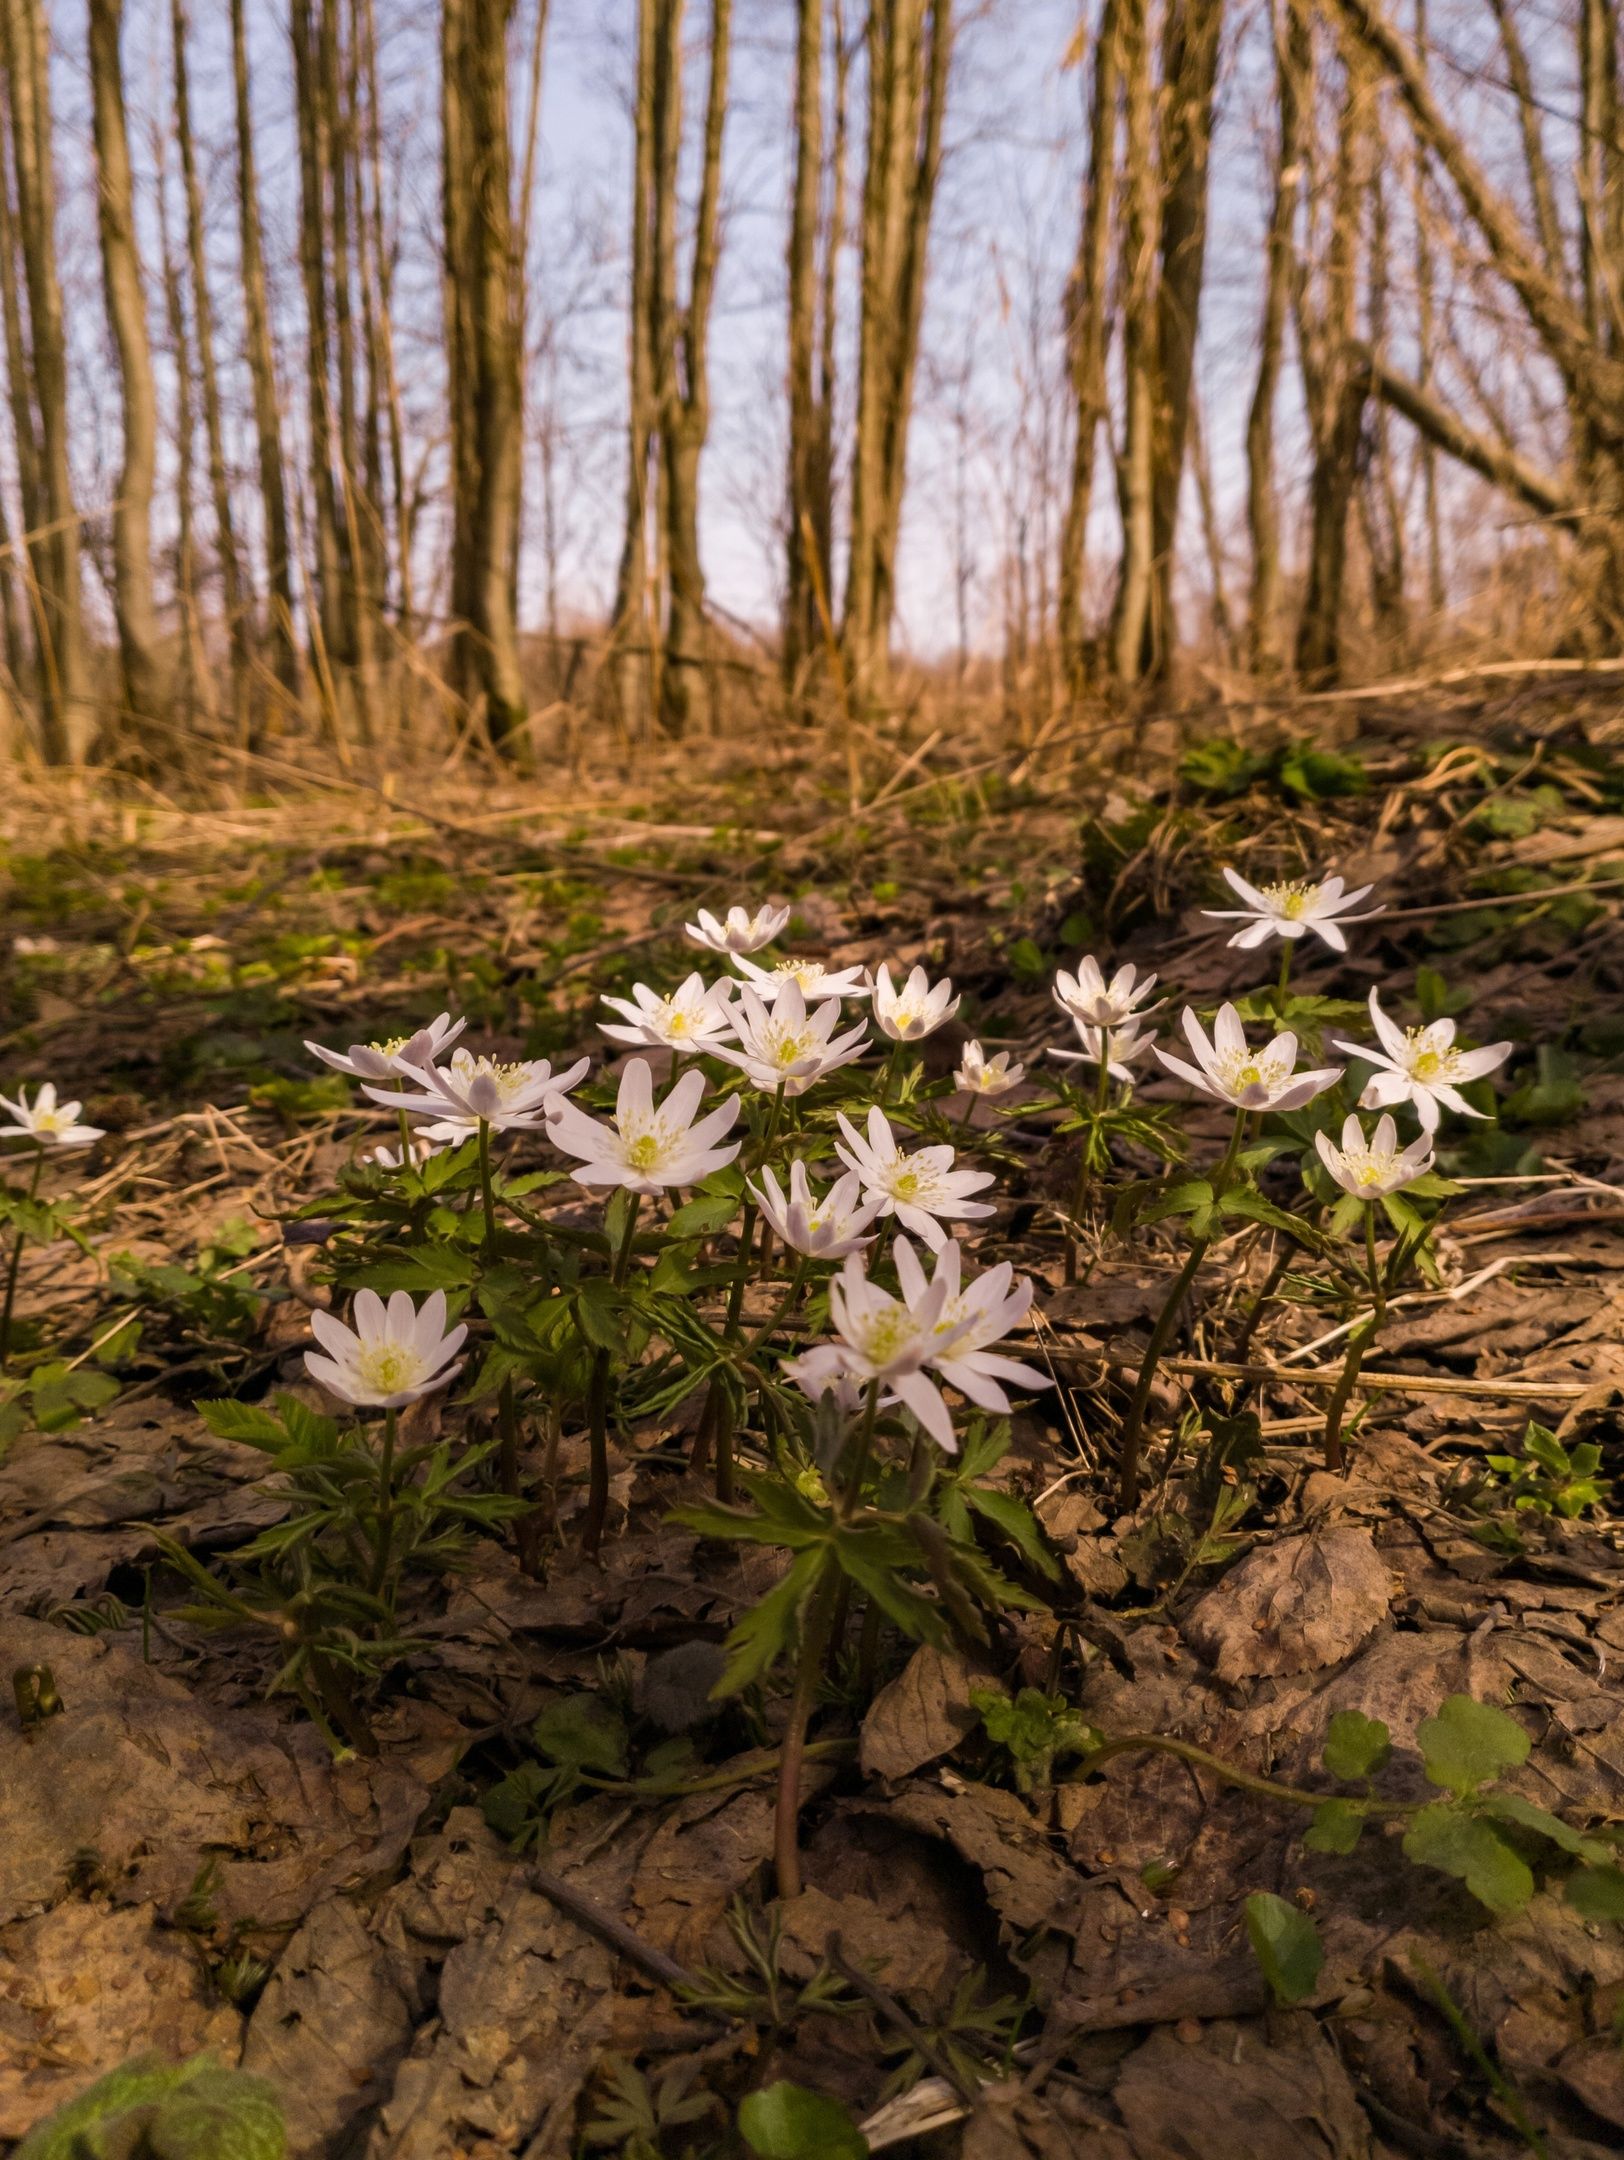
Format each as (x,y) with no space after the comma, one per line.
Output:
(909,61)
(685,385)
(1342,383)
(284,642)
(801,629)
(1087,339)
(315,164)
(53,541)
(1132,628)
(633,631)
(20,641)
(1262,505)
(1190,43)
(384,272)
(225,534)
(357,506)
(194,677)
(486,360)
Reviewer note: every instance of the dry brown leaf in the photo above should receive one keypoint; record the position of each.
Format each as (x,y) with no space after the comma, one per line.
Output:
(1294,1606)
(1273,2090)
(922,1714)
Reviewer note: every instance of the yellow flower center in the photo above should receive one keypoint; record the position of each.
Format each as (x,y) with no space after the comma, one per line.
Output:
(905,1185)
(1290,899)
(1427,1065)
(643,1152)
(388,1367)
(885,1335)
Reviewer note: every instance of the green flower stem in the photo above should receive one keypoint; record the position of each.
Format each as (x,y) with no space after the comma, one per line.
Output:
(597,1501)
(18,1242)
(1358,1343)
(403,1125)
(785,1307)
(787,1819)
(814,1646)
(893,1066)
(747,1222)
(1128,1447)
(1079,1198)
(386,1503)
(487,1190)
(1283,980)
(1231,1773)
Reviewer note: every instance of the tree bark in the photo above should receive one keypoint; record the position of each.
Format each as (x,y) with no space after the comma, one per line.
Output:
(1133,628)
(284,642)
(225,534)
(683,360)
(1190,44)
(1087,337)
(53,538)
(632,630)
(1262,505)
(808,491)
(486,360)
(909,61)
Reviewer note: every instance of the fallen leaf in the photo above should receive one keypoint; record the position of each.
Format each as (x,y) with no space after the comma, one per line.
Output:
(1294,1606)
(922,1714)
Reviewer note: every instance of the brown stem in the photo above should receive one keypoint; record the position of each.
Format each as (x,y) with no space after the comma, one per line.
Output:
(786,1825)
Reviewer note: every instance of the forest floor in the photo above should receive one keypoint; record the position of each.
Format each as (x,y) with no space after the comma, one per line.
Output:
(184,1863)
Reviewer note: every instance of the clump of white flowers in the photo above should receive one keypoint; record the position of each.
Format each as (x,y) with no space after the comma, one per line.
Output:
(1291,910)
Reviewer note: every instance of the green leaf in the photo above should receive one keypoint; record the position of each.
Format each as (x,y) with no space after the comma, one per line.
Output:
(790,2122)
(1447,1836)
(1336,1827)
(1286,1944)
(60,1397)
(1597,1892)
(188,2111)
(703,1216)
(1015,1519)
(768,1629)
(583,1733)
(1507,1807)
(1356,1746)
(1468,1743)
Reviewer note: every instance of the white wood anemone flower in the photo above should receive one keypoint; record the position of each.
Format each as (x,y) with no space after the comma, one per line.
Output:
(973,1317)
(1370,1169)
(376,1060)
(1122,1046)
(470,1092)
(738,932)
(691,1019)
(911,1010)
(879,1338)
(916,1188)
(647,1146)
(823,1370)
(1291,909)
(783,1045)
(45,1121)
(392,1356)
(810,977)
(1230,1072)
(1422,1066)
(828,1229)
(1117,1003)
(979,1074)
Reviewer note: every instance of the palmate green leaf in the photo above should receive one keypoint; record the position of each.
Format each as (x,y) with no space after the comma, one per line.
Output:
(250,1423)
(1336,1827)
(1467,1743)
(419,1269)
(871,1562)
(1286,1944)
(1356,1746)
(703,1216)
(769,1628)
(195,2110)
(582,1732)
(790,2122)
(1193,1197)
(1461,1843)
(60,1397)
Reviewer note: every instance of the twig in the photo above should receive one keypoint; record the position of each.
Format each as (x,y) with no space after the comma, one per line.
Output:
(613,1933)
(893,2013)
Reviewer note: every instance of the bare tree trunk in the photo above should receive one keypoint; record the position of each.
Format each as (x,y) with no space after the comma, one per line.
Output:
(909,61)
(194,673)
(1425,342)
(1132,627)
(262,372)
(1262,505)
(1190,42)
(357,504)
(632,630)
(315,164)
(486,359)
(805,496)
(225,536)
(19,644)
(682,357)
(1087,338)
(1340,385)
(53,540)
(384,320)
